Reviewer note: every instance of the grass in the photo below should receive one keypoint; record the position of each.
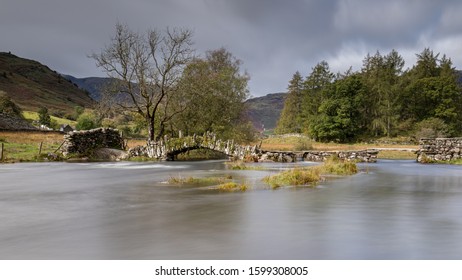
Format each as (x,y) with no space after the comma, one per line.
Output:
(232,187)
(299,143)
(456,161)
(29,115)
(427,160)
(240,165)
(198,181)
(334,166)
(286,143)
(384,154)
(312,175)
(294,177)
(221,182)
(25,146)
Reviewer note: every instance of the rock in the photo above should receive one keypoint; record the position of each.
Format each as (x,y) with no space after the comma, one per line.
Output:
(110,154)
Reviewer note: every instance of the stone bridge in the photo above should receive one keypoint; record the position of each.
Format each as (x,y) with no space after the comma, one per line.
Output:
(169,148)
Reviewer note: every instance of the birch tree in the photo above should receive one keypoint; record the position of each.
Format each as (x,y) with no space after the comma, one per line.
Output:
(147,68)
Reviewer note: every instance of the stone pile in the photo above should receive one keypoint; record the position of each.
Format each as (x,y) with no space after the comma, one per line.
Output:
(84,142)
(275,156)
(439,149)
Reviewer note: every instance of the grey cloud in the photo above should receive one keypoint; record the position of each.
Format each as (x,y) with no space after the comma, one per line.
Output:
(273,38)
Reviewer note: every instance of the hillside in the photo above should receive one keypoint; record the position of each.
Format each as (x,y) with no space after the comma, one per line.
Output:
(264,111)
(93,85)
(32,85)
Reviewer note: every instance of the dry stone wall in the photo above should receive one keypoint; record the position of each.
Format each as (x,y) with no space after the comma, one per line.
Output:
(439,149)
(359,156)
(83,142)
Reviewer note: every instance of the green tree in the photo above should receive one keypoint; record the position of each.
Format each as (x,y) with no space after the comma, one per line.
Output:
(78,110)
(44,116)
(8,107)
(381,76)
(86,121)
(289,121)
(319,79)
(431,90)
(212,92)
(339,117)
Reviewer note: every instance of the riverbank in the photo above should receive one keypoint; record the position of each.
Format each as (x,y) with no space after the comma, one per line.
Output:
(32,146)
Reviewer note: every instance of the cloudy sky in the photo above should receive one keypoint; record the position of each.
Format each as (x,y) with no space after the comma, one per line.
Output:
(273,38)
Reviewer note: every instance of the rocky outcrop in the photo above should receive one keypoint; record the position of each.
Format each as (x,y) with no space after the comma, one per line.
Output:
(8,122)
(439,149)
(108,154)
(87,141)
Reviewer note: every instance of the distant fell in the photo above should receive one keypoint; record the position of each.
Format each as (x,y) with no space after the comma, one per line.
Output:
(93,85)
(32,85)
(264,111)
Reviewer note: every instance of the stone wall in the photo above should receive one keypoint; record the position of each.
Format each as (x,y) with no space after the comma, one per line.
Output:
(360,156)
(83,142)
(318,156)
(439,149)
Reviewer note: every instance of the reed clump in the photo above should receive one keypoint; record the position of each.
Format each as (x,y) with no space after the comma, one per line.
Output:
(232,187)
(240,165)
(198,181)
(335,166)
(294,177)
(310,176)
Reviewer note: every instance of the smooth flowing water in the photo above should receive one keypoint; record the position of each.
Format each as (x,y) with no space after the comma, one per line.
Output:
(390,210)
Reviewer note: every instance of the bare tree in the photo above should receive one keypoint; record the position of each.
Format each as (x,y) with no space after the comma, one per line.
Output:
(147,69)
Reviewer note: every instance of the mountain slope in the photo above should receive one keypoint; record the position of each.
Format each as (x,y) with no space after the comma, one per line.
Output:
(32,85)
(264,111)
(93,85)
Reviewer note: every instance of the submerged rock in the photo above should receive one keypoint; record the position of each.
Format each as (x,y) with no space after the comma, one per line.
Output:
(110,154)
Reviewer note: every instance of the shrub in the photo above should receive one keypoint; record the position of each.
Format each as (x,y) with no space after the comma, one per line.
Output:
(431,128)
(44,116)
(8,107)
(86,121)
(303,144)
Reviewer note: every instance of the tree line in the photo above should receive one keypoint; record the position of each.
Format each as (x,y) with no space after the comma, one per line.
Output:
(380,100)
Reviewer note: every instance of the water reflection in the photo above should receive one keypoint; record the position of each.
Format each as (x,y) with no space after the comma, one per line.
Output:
(395,210)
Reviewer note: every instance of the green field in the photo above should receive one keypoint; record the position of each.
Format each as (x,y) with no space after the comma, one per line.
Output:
(34,116)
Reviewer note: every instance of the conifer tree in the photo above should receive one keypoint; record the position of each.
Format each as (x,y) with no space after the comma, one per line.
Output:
(289,120)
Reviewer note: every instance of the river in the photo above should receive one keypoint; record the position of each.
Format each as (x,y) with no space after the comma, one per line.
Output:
(126,210)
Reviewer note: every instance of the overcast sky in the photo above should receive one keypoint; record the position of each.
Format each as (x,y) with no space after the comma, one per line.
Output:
(272,38)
